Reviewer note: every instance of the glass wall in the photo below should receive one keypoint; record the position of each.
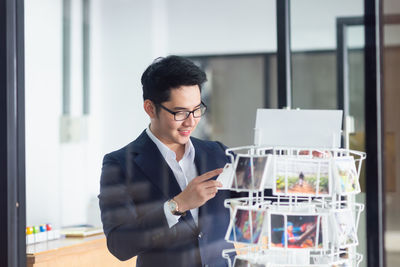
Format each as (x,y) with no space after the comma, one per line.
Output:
(84,60)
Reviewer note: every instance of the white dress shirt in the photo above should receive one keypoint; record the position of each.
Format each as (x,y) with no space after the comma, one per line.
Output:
(184,171)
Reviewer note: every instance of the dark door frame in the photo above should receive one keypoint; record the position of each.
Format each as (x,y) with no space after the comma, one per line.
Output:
(12,134)
(375,193)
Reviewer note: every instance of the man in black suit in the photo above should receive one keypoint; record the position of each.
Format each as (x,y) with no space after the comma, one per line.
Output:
(159,198)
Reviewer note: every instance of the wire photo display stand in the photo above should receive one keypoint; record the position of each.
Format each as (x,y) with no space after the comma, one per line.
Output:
(311,218)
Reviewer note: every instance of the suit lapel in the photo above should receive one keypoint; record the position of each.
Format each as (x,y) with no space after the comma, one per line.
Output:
(204,163)
(201,160)
(206,160)
(152,163)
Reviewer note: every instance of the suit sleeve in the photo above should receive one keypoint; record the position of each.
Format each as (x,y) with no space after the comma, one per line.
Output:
(130,227)
(224,148)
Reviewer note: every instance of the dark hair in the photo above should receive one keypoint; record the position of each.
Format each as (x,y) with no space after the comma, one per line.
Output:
(168,73)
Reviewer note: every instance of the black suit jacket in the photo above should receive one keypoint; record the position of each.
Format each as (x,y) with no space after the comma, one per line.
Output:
(135,183)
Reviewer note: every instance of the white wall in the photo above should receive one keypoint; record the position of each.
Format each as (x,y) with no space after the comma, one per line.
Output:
(43,79)
(122,47)
(120,51)
(221,27)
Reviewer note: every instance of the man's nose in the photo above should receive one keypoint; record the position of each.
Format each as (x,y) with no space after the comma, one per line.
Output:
(190,120)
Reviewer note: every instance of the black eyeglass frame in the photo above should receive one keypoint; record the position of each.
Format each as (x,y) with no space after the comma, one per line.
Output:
(202,105)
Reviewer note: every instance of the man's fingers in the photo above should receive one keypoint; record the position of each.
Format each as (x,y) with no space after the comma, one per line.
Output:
(211,183)
(212,191)
(208,175)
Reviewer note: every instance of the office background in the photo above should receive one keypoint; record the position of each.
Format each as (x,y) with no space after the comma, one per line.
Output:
(84,59)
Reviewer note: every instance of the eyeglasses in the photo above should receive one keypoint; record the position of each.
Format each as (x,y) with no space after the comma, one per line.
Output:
(183,115)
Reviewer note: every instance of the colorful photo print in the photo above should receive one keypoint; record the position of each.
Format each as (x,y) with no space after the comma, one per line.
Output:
(259,170)
(345,228)
(244,178)
(240,230)
(277,229)
(302,177)
(300,232)
(323,186)
(346,175)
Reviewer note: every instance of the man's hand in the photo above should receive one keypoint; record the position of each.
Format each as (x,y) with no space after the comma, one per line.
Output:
(198,191)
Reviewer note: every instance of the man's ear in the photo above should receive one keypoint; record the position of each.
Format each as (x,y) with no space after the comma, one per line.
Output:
(150,108)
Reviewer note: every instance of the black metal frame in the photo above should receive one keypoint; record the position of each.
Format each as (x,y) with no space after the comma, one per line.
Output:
(375,193)
(284,54)
(12,134)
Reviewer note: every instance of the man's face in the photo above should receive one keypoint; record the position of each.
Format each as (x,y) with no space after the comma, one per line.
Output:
(169,131)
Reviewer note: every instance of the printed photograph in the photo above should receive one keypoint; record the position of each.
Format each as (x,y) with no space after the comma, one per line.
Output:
(244,178)
(259,170)
(346,175)
(264,238)
(241,231)
(301,231)
(315,153)
(277,229)
(302,177)
(323,188)
(345,225)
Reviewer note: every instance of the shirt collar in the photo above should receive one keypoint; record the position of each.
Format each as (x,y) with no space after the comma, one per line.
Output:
(166,152)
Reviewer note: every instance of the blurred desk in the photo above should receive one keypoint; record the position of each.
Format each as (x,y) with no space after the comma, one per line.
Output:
(73,252)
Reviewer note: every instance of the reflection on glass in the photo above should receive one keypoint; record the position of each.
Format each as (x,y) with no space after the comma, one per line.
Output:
(236,87)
